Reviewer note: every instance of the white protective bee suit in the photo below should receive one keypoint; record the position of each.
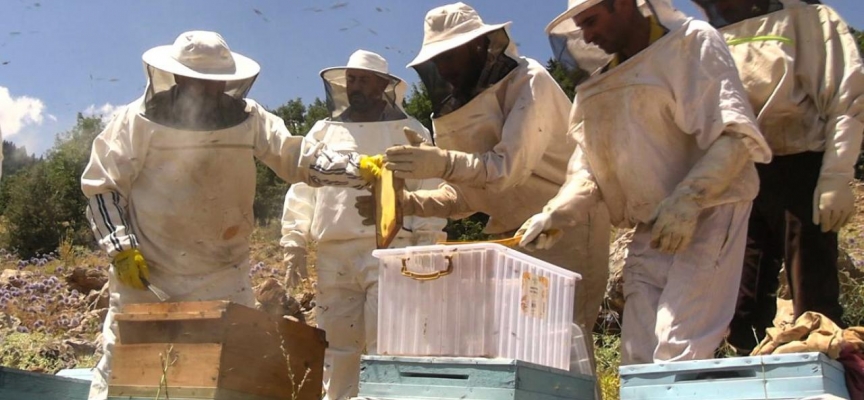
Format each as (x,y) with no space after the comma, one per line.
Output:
(667,131)
(183,195)
(510,148)
(347,287)
(804,77)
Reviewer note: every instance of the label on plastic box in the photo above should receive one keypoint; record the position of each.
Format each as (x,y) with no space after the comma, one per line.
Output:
(535,295)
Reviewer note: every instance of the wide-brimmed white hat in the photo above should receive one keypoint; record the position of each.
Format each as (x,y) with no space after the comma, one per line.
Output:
(201,55)
(574,8)
(448,27)
(363,60)
(667,14)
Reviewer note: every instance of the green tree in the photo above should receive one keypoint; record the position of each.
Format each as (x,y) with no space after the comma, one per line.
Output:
(270,189)
(562,77)
(15,159)
(44,200)
(419,106)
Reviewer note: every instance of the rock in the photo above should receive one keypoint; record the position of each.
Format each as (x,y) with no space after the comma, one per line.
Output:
(12,277)
(8,321)
(98,299)
(306,300)
(81,347)
(84,280)
(274,300)
(846,264)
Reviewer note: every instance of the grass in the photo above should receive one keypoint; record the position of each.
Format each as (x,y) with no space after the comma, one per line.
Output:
(607,351)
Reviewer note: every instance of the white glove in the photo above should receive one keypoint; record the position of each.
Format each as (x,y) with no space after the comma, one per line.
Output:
(538,234)
(674,223)
(833,204)
(295,266)
(676,216)
(417,161)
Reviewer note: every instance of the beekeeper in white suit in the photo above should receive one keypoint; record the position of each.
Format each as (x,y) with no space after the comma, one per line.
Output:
(365,103)
(668,144)
(500,126)
(171,179)
(804,77)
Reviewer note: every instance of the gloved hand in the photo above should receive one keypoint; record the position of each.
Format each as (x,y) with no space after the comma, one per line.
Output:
(538,234)
(674,223)
(833,204)
(420,160)
(365,206)
(295,266)
(370,167)
(130,267)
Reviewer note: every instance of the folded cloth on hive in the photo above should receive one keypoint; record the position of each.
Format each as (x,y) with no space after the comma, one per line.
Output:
(813,331)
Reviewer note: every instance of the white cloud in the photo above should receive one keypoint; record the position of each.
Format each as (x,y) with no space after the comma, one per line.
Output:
(106,111)
(17,112)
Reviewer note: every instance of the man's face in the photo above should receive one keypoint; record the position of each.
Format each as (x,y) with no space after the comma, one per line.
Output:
(199,89)
(603,27)
(461,67)
(364,88)
(736,10)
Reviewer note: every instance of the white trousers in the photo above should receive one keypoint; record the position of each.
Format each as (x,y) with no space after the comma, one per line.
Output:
(347,310)
(679,306)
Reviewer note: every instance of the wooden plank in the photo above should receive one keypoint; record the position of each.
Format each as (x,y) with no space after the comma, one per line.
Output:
(169,316)
(254,361)
(23,385)
(171,307)
(196,365)
(194,331)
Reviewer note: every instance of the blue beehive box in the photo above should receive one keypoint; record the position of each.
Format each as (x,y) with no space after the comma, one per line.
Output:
(783,376)
(23,385)
(390,378)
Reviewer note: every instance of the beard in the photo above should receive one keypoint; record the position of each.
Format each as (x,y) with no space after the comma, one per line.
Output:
(360,102)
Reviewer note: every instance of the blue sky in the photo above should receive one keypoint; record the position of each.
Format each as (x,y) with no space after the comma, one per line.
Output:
(61,57)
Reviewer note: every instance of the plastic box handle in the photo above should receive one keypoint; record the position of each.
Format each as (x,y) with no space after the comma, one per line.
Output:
(430,276)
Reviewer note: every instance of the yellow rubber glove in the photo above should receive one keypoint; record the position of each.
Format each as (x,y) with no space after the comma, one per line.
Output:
(370,167)
(130,267)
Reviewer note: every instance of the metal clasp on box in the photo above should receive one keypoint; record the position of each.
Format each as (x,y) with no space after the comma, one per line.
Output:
(430,276)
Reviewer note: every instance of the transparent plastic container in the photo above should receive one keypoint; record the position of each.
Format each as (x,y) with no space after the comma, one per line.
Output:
(580,360)
(474,300)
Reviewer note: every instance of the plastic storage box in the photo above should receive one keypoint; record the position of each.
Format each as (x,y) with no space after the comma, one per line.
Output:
(782,376)
(474,300)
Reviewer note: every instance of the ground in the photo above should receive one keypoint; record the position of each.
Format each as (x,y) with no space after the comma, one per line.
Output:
(51,307)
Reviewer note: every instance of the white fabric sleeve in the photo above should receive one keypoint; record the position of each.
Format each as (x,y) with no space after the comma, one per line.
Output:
(526,134)
(303,159)
(579,193)
(424,227)
(832,71)
(710,99)
(297,215)
(116,158)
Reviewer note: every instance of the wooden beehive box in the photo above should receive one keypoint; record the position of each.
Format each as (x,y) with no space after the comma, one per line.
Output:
(214,350)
